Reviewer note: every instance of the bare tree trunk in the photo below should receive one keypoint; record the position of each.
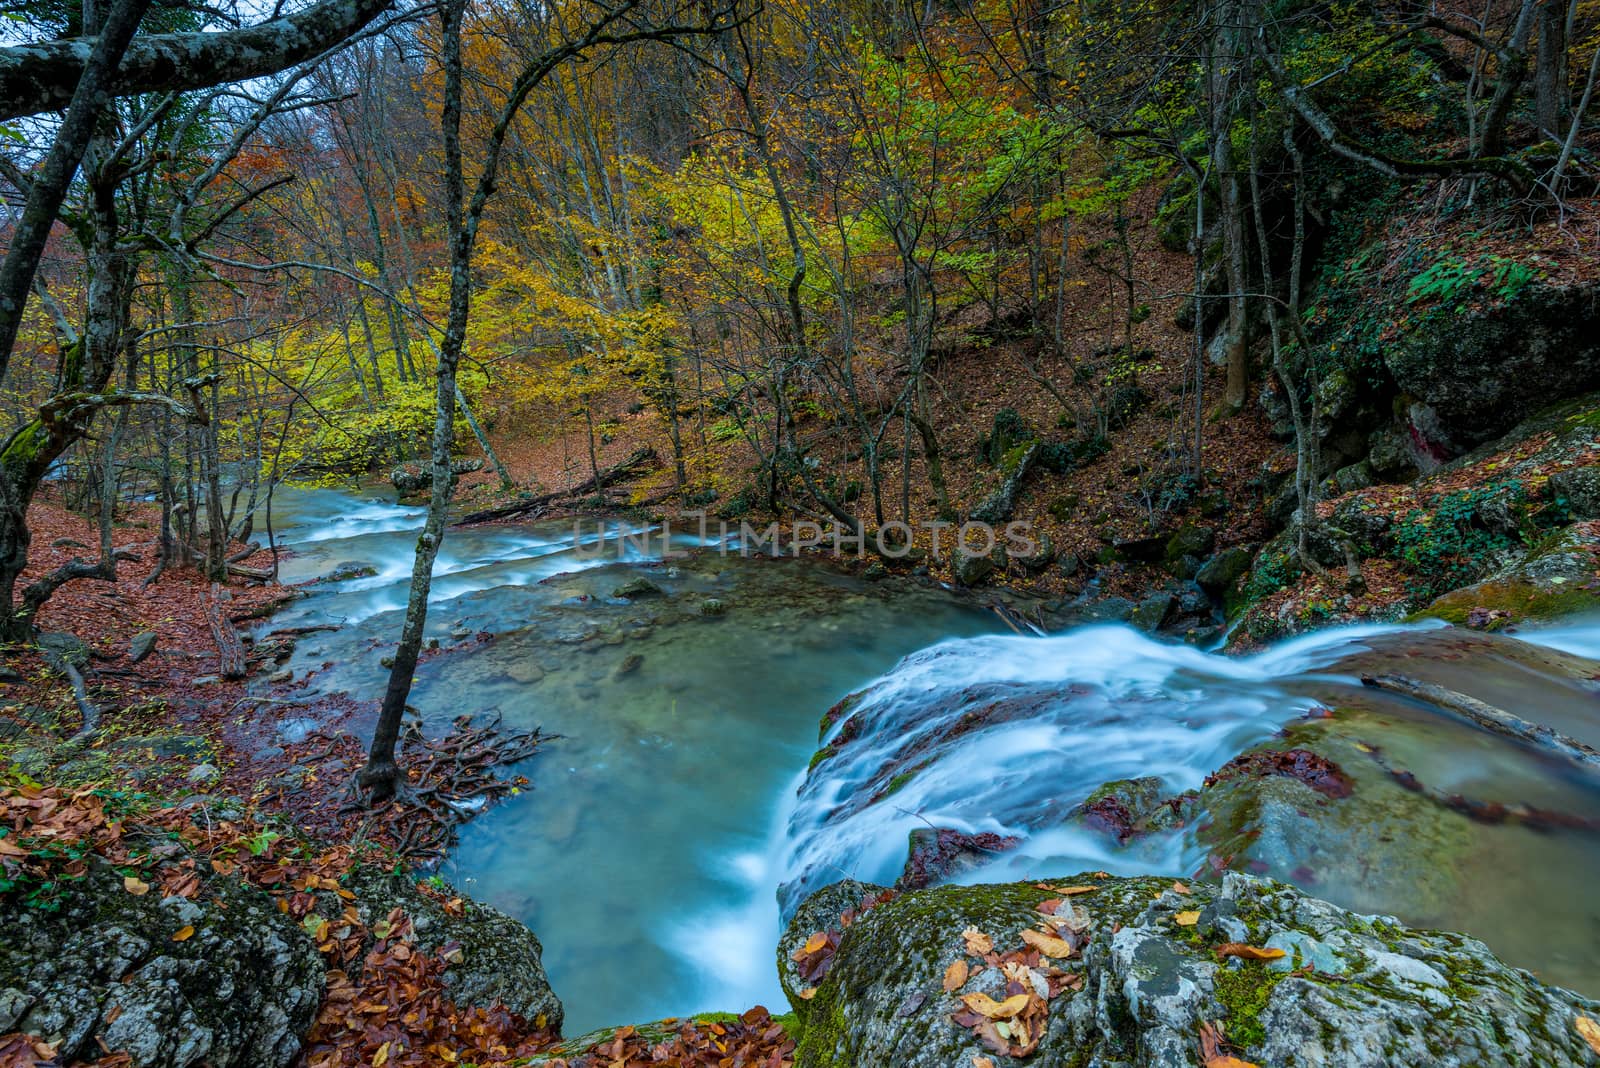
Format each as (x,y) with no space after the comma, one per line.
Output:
(381,776)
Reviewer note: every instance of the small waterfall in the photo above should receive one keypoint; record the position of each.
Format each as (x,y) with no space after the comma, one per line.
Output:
(1006,735)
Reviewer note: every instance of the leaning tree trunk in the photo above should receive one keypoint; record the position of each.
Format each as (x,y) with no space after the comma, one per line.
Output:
(381,776)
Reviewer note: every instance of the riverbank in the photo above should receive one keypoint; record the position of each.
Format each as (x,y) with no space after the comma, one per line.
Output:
(635,636)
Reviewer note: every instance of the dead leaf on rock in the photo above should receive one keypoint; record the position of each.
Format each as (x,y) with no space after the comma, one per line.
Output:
(135,886)
(1180,888)
(1211,1051)
(1187,918)
(1247,952)
(183,934)
(1049,945)
(978,943)
(981,1062)
(1589,1030)
(1068,891)
(816,942)
(807,994)
(984,1005)
(955,975)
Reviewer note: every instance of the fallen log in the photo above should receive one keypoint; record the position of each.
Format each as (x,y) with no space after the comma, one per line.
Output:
(1490,718)
(642,459)
(230,650)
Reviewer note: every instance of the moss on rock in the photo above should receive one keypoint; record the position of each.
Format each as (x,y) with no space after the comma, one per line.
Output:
(1396,996)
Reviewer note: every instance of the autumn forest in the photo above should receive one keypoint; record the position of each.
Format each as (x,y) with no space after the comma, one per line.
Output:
(452,452)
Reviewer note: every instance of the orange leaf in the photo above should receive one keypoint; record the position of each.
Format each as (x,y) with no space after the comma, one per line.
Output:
(1049,945)
(183,934)
(816,943)
(978,943)
(807,994)
(1068,891)
(1589,1031)
(1239,949)
(135,886)
(955,975)
(984,1005)
(1187,918)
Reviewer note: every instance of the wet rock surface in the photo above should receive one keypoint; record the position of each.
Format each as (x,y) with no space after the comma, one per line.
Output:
(1347,989)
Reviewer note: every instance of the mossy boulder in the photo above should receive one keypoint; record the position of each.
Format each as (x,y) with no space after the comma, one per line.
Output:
(1550,582)
(1351,990)
(102,972)
(1191,539)
(1577,489)
(1218,574)
(500,959)
(1479,368)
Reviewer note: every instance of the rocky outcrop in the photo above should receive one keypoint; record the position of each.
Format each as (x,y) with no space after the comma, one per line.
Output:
(108,970)
(1154,966)
(226,978)
(1554,580)
(499,959)
(1473,375)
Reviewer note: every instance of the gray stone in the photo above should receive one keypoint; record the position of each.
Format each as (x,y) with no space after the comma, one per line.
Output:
(64,647)
(1579,488)
(713,606)
(1392,996)
(240,993)
(1219,573)
(973,568)
(142,645)
(1356,476)
(1109,610)
(1152,611)
(204,774)
(1390,456)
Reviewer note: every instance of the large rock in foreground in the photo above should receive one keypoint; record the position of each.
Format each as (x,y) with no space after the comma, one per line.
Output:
(107,970)
(1153,969)
(499,959)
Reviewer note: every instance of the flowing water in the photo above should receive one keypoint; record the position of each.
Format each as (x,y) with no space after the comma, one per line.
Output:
(648,853)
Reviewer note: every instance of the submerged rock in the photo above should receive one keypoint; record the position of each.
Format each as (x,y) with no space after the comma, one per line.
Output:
(1146,976)
(937,854)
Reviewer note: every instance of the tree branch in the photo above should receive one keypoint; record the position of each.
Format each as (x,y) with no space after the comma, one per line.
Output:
(42,76)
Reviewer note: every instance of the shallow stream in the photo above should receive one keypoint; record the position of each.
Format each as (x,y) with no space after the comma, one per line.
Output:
(649,849)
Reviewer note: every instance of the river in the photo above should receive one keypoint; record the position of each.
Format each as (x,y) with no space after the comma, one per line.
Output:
(649,848)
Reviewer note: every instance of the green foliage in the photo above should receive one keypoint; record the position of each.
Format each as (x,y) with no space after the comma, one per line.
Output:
(1451,545)
(1451,276)
(1272,573)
